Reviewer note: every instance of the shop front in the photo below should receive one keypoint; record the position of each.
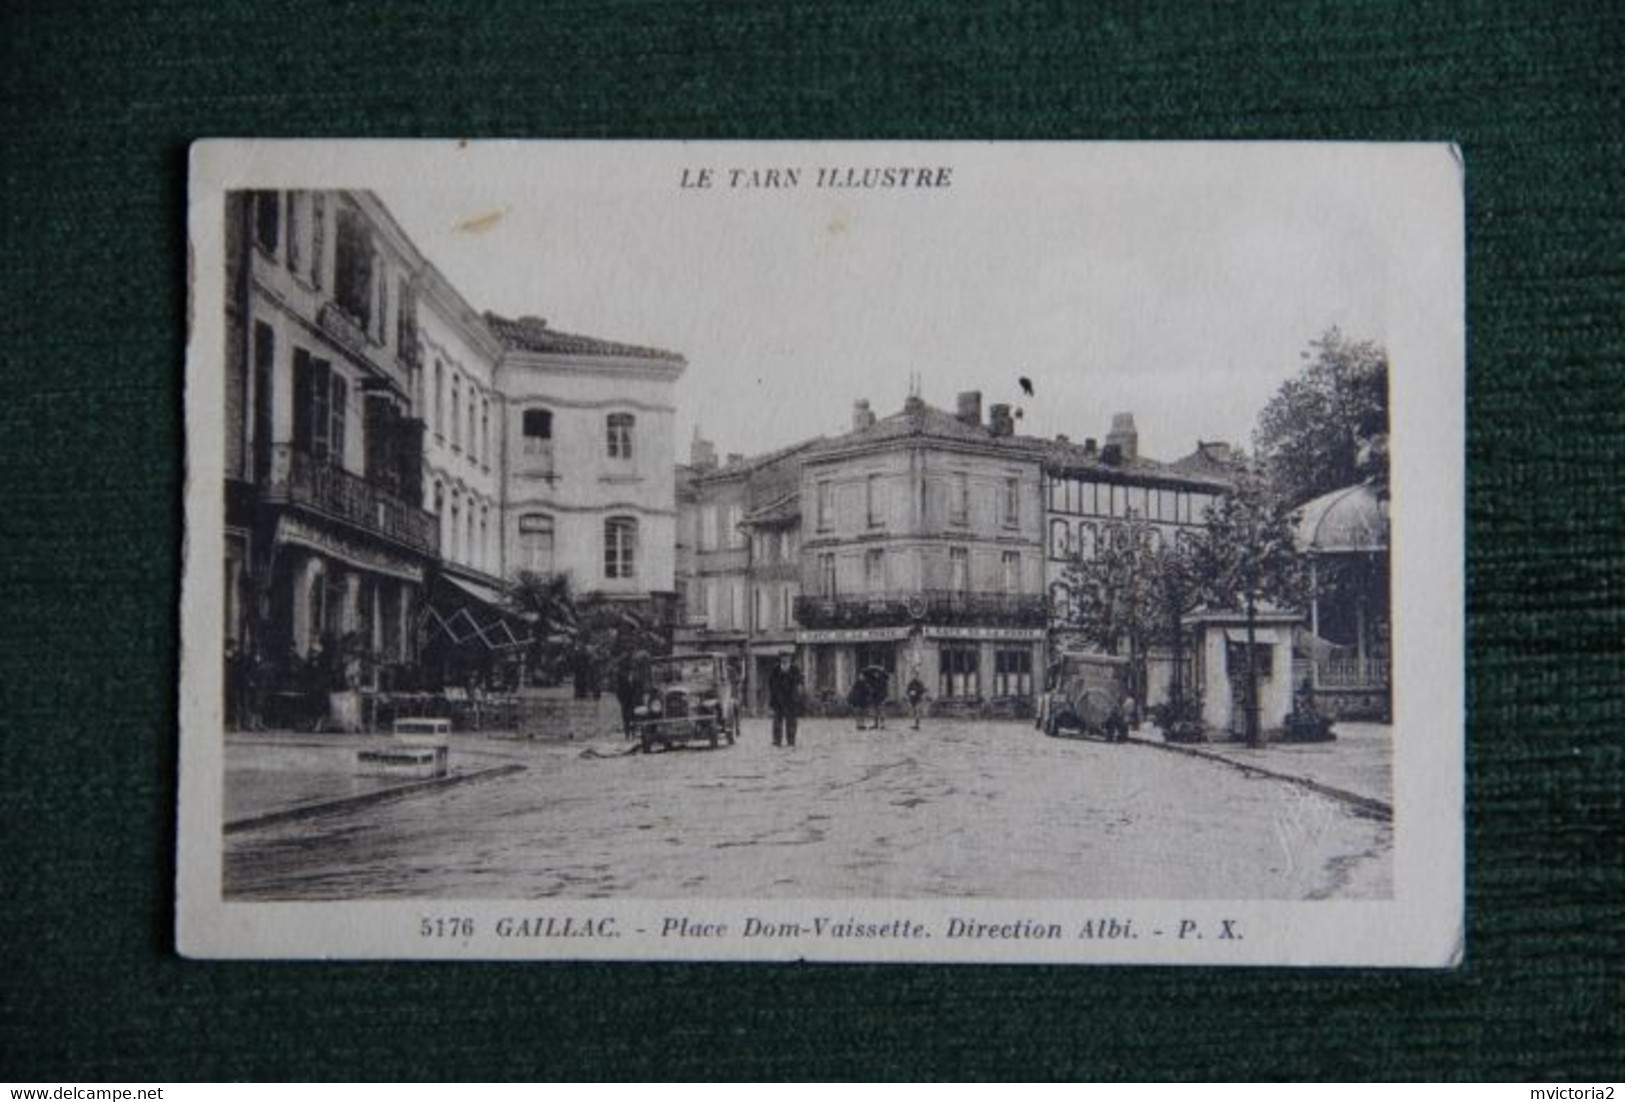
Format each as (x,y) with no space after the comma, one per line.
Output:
(967,671)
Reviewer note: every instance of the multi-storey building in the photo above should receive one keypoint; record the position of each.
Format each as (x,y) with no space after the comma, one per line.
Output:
(922,552)
(1096,496)
(588,483)
(393,456)
(327,542)
(738,536)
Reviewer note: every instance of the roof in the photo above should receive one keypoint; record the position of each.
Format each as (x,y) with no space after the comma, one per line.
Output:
(1064,456)
(751,464)
(532,334)
(1347,520)
(785,509)
(918,419)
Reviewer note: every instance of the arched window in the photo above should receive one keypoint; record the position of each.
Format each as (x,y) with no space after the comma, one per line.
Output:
(1086,540)
(1060,539)
(1153,540)
(454,552)
(536,543)
(620,547)
(470,548)
(619,431)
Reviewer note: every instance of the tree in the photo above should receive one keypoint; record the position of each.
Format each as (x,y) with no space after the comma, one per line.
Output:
(548,603)
(1131,595)
(1328,427)
(1246,556)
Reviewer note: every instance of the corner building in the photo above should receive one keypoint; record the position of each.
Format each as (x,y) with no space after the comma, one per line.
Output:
(922,552)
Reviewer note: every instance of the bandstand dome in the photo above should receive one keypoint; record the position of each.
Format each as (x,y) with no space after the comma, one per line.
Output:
(1348,520)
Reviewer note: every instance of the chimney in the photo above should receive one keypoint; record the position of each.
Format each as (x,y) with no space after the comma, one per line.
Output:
(1111,454)
(1125,436)
(862,415)
(999,421)
(735,458)
(1090,445)
(1062,438)
(970,407)
(1218,451)
(702,454)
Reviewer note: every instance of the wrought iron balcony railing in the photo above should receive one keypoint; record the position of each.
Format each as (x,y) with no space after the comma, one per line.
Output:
(298,478)
(935,606)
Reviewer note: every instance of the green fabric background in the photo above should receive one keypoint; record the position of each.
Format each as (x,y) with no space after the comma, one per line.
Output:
(99,104)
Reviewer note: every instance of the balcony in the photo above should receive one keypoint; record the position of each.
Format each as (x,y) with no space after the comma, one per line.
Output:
(299,479)
(934,606)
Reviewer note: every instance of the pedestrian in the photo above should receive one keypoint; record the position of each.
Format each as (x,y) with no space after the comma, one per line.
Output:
(877,687)
(916,696)
(627,692)
(784,697)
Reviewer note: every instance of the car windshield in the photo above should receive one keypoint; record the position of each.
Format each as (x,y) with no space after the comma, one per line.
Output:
(682,669)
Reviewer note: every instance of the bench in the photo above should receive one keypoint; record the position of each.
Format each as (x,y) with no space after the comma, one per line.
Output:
(413,761)
(427,732)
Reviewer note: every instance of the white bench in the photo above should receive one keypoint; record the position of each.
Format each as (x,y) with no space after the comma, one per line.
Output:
(429,732)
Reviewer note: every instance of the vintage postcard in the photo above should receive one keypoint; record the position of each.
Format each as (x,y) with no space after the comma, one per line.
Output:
(950,552)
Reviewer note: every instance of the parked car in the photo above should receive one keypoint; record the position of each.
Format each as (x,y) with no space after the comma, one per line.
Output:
(689,698)
(1086,694)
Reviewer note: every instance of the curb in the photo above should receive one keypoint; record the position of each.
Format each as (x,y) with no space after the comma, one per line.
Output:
(384,795)
(1365,805)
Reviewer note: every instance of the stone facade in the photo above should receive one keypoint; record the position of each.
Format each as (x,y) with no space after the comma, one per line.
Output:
(380,437)
(922,552)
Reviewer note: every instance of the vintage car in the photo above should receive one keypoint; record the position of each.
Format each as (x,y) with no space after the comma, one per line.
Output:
(1085,694)
(688,698)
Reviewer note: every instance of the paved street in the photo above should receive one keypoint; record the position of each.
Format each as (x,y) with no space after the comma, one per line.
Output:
(958,809)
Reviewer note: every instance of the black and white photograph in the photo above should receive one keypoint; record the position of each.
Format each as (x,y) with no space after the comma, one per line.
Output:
(962,552)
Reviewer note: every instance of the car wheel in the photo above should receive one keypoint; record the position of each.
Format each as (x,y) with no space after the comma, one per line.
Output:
(715,737)
(647,743)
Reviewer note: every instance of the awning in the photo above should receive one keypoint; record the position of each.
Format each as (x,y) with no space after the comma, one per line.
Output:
(468,613)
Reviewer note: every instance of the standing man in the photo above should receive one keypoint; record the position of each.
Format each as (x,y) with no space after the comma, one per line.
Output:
(784,697)
(916,695)
(876,688)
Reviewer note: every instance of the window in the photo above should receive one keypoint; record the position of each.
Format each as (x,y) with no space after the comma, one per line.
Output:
(469,438)
(874,495)
(537,429)
(455,551)
(874,570)
(759,606)
(1011,563)
(318,237)
(471,551)
(786,607)
(959,569)
(485,430)
(735,517)
(353,286)
(406,322)
(961,503)
(787,545)
(1012,502)
(456,411)
(1153,540)
(957,678)
(619,430)
(708,528)
(1012,673)
(437,400)
(1060,601)
(1086,541)
(1057,495)
(486,559)
(320,400)
(826,574)
(620,547)
(1060,539)
(294,228)
(267,220)
(825,506)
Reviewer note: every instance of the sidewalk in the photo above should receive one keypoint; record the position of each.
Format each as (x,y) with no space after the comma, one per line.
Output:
(1357,764)
(276,775)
